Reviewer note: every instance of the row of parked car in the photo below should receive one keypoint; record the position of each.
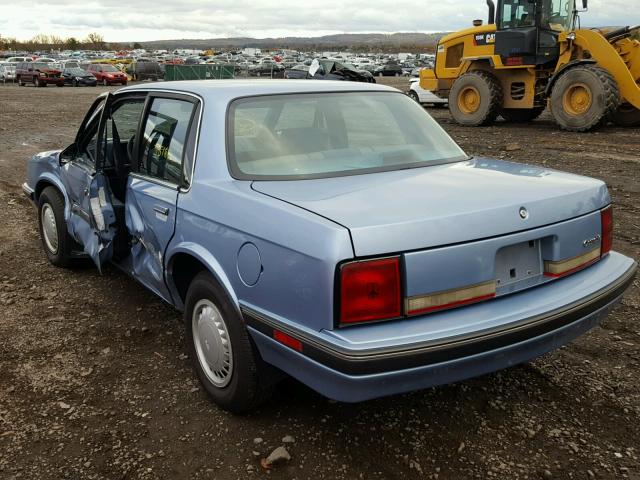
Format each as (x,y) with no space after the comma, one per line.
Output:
(41,74)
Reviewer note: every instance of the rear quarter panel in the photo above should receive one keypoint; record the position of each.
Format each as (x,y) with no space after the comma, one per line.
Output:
(298,250)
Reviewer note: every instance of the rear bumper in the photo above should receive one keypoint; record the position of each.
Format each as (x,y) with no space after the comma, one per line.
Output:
(353,374)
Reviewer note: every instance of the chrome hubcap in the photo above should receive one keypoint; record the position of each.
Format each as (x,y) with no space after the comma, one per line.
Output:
(212,343)
(49,228)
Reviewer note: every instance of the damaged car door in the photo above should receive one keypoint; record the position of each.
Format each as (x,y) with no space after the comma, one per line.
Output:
(162,167)
(91,219)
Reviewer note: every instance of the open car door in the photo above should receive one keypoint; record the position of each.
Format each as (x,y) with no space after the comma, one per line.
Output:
(91,219)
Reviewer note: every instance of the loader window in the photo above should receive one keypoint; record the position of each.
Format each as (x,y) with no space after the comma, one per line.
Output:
(557,14)
(517,13)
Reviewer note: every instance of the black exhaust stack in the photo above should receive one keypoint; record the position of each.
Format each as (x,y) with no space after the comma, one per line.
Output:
(492,11)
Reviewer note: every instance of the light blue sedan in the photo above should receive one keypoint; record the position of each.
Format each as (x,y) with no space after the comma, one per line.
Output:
(331,231)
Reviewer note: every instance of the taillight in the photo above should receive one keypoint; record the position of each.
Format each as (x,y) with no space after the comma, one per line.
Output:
(370,290)
(606,222)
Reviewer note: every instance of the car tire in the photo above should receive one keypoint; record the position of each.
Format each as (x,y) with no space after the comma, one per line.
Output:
(124,84)
(380,74)
(222,354)
(20,82)
(104,82)
(58,245)
(74,83)
(414,96)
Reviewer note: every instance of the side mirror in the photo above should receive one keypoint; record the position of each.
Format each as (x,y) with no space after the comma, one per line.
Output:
(313,69)
(68,154)
(585,4)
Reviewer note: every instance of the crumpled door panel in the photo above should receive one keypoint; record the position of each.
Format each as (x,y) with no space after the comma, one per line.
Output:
(150,211)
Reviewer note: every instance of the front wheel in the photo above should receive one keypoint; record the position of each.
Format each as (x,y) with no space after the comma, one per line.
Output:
(20,82)
(74,83)
(414,96)
(221,352)
(584,98)
(58,245)
(104,82)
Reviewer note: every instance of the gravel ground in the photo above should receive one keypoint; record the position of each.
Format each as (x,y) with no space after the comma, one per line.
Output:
(95,382)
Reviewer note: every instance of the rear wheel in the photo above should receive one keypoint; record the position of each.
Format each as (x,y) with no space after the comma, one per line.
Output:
(56,241)
(626,116)
(104,82)
(475,98)
(222,354)
(521,115)
(584,98)
(74,83)
(20,82)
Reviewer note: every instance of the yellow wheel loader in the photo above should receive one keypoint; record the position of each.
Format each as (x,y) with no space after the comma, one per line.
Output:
(533,54)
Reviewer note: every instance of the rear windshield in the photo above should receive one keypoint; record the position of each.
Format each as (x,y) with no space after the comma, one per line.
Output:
(302,136)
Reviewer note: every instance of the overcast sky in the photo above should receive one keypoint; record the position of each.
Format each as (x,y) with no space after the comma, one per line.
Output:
(137,20)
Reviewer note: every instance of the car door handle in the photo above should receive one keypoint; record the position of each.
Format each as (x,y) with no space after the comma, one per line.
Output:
(161,210)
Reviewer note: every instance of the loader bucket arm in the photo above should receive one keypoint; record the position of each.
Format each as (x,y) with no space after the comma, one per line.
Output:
(607,57)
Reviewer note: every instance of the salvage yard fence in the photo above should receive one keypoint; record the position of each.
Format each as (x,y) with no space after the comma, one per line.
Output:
(198,72)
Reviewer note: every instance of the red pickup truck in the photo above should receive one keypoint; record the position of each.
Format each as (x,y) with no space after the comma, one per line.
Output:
(38,73)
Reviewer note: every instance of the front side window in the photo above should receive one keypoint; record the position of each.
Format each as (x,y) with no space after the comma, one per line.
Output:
(557,15)
(165,136)
(332,134)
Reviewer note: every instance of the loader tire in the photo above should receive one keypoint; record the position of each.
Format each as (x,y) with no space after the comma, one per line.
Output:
(626,116)
(584,98)
(521,115)
(475,99)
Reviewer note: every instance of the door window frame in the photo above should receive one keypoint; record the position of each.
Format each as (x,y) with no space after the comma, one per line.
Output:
(191,138)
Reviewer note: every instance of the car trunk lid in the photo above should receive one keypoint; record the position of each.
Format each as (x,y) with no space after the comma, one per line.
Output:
(439,205)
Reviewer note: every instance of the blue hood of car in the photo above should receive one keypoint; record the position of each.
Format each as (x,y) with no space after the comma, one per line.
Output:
(439,205)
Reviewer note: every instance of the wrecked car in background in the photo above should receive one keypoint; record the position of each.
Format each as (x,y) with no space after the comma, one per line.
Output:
(328,230)
(40,74)
(329,70)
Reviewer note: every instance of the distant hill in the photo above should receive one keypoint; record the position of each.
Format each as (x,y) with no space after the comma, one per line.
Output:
(362,41)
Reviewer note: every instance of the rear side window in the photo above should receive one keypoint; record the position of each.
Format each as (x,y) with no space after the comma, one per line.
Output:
(165,136)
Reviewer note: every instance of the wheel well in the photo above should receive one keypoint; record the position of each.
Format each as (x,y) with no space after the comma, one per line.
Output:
(184,268)
(41,185)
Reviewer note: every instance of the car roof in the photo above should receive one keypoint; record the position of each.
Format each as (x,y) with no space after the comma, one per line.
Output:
(231,89)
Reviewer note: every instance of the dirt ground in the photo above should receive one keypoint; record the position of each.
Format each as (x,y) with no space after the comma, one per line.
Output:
(95,383)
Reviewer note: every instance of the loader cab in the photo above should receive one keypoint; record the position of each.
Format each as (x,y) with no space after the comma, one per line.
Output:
(527,30)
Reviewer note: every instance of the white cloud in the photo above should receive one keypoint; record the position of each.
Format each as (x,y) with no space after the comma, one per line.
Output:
(137,20)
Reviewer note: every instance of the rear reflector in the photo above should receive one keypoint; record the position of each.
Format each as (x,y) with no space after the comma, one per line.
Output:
(606,221)
(370,290)
(451,298)
(565,267)
(514,61)
(287,340)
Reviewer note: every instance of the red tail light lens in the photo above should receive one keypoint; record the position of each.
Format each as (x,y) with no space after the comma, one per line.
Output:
(606,220)
(370,290)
